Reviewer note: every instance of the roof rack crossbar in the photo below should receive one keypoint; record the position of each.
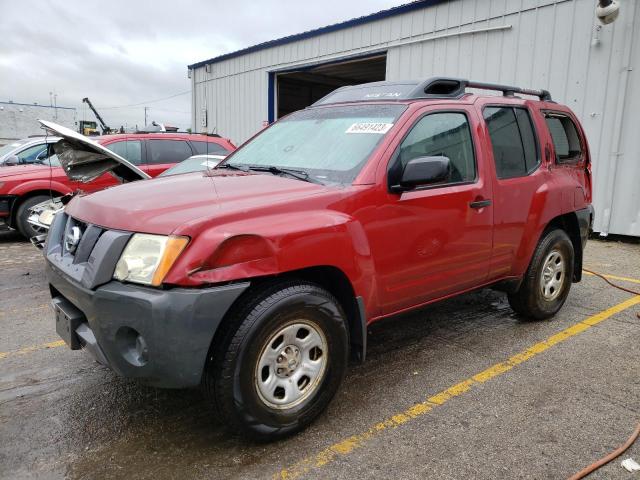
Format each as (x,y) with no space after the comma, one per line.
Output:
(451,87)
(509,91)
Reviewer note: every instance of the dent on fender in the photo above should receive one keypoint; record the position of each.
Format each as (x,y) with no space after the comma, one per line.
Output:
(279,244)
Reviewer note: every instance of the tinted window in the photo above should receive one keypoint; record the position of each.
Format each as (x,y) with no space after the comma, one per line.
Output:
(168,151)
(529,142)
(566,141)
(515,151)
(445,134)
(130,150)
(209,148)
(33,154)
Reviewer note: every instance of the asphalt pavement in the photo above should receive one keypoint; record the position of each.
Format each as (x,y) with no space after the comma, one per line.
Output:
(461,389)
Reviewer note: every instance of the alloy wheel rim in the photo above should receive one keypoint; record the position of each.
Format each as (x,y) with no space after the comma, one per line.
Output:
(553,273)
(291,365)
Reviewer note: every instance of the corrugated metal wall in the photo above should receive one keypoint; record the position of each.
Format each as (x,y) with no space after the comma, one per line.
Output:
(555,45)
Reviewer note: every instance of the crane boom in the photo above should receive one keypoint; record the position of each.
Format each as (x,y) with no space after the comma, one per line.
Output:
(105,128)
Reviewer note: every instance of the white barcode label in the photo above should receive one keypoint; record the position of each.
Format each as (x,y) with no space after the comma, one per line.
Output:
(380,128)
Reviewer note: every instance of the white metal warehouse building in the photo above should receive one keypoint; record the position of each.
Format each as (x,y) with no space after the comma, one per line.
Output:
(556,45)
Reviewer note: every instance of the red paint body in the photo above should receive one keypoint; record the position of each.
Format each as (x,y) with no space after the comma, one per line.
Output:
(24,180)
(398,250)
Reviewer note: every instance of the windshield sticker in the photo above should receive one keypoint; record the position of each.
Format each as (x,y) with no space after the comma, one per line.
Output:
(380,128)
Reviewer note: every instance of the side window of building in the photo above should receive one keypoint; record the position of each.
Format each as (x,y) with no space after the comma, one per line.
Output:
(32,154)
(564,134)
(168,151)
(130,150)
(441,134)
(210,148)
(515,148)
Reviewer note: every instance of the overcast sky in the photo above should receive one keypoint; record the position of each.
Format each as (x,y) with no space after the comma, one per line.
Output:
(121,53)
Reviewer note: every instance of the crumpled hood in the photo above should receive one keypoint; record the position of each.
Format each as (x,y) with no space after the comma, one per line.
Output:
(162,205)
(84,160)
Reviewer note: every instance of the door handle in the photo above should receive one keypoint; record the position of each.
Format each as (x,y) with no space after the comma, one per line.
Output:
(480,203)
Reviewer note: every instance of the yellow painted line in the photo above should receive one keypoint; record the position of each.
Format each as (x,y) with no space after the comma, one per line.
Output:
(348,445)
(32,348)
(615,277)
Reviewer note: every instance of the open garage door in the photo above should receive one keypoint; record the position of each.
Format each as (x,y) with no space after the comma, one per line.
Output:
(299,89)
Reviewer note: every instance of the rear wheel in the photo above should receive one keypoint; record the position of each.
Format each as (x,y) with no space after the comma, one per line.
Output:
(548,279)
(279,361)
(22,215)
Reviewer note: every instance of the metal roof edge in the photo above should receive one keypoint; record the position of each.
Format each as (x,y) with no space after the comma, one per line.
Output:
(32,105)
(390,12)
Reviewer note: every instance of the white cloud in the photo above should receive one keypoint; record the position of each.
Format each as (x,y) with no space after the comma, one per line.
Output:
(124,53)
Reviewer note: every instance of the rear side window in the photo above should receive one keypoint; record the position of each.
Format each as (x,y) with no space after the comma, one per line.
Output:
(564,134)
(168,151)
(442,134)
(211,148)
(130,150)
(515,148)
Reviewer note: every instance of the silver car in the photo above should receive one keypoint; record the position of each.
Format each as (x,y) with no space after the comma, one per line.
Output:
(25,151)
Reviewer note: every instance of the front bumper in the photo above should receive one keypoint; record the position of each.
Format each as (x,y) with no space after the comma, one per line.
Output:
(160,337)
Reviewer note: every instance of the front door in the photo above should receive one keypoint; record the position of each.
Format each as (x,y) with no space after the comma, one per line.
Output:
(435,240)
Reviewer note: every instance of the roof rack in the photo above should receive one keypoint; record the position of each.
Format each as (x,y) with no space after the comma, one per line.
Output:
(450,87)
(435,87)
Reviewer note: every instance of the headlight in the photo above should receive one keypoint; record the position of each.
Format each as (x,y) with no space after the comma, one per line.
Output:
(147,258)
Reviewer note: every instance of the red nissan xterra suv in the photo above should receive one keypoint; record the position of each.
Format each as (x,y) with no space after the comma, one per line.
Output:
(23,186)
(257,279)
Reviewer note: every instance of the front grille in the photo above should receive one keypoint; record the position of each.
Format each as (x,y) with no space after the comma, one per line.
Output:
(79,239)
(84,252)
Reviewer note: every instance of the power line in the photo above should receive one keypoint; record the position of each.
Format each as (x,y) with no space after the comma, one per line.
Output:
(148,101)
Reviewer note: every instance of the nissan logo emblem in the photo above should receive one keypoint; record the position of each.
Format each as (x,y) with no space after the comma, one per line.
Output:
(72,239)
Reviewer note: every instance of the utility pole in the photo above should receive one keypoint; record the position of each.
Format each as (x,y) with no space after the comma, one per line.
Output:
(145,116)
(55,105)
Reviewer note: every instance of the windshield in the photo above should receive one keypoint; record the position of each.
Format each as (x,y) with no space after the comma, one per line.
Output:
(331,144)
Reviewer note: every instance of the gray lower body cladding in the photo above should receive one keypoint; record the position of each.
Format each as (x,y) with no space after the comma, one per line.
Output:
(160,337)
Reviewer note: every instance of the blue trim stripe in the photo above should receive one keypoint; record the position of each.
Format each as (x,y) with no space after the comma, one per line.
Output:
(391,12)
(271,94)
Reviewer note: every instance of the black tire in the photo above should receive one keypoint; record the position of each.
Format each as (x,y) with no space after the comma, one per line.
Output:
(231,375)
(530,300)
(24,227)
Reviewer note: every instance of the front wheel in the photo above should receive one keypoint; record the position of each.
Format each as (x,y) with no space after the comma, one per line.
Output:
(22,216)
(279,361)
(547,282)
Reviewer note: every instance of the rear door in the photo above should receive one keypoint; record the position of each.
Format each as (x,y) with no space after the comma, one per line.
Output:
(163,153)
(519,183)
(435,240)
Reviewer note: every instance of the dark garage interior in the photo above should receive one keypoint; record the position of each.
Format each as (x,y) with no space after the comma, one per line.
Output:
(301,88)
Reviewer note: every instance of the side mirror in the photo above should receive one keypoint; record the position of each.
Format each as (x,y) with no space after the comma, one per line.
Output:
(12,160)
(423,171)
